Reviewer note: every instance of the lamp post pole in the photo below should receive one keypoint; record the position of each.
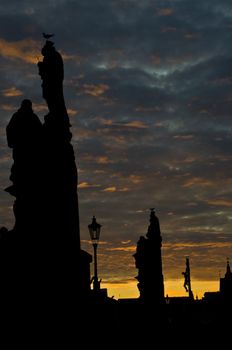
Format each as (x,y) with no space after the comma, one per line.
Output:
(94,230)
(96,283)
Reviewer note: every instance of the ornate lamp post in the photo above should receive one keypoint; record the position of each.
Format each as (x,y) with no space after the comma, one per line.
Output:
(94,230)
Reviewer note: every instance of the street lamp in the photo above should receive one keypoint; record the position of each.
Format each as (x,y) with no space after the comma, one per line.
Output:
(94,230)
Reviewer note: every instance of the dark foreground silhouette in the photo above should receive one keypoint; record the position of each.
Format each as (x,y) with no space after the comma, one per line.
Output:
(44,273)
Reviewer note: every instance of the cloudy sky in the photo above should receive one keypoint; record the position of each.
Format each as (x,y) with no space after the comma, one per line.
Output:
(148,87)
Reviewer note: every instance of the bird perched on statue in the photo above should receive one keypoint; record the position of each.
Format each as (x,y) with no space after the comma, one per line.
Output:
(47,36)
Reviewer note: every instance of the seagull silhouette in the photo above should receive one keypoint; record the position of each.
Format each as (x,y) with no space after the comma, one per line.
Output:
(47,36)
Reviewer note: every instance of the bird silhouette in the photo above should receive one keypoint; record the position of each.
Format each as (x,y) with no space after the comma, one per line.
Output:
(47,36)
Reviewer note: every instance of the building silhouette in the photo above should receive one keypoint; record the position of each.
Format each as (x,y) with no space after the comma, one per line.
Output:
(226,285)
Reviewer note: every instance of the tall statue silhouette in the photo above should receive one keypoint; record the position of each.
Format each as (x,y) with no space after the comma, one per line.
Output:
(42,253)
(61,213)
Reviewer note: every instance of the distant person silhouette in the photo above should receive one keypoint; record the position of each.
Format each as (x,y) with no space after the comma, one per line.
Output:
(23,135)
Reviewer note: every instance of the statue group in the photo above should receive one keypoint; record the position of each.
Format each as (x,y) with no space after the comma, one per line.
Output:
(40,256)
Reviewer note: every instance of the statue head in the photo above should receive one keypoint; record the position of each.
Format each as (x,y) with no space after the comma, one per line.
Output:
(26,105)
(48,47)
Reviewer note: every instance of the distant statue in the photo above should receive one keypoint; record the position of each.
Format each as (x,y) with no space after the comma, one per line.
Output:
(23,136)
(186,281)
(148,261)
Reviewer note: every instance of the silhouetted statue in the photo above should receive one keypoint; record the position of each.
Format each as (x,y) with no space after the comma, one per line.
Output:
(61,213)
(51,70)
(148,261)
(24,136)
(20,247)
(187,279)
(24,128)
(24,132)
(41,256)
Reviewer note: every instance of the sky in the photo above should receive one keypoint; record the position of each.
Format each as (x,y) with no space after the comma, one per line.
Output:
(148,88)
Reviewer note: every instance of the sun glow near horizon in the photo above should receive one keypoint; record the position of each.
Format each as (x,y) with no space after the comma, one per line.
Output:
(172,288)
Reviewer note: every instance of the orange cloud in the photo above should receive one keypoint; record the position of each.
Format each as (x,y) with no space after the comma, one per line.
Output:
(102,160)
(122,249)
(98,160)
(198,181)
(126,242)
(86,185)
(72,112)
(124,189)
(83,185)
(8,108)
(110,189)
(165,12)
(39,107)
(104,121)
(82,134)
(26,50)
(220,202)
(89,242)
(135,179)
(189,159)
(66,57)
(114,189)
(136,124)
(11,92)
(95,90)
(212,245)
